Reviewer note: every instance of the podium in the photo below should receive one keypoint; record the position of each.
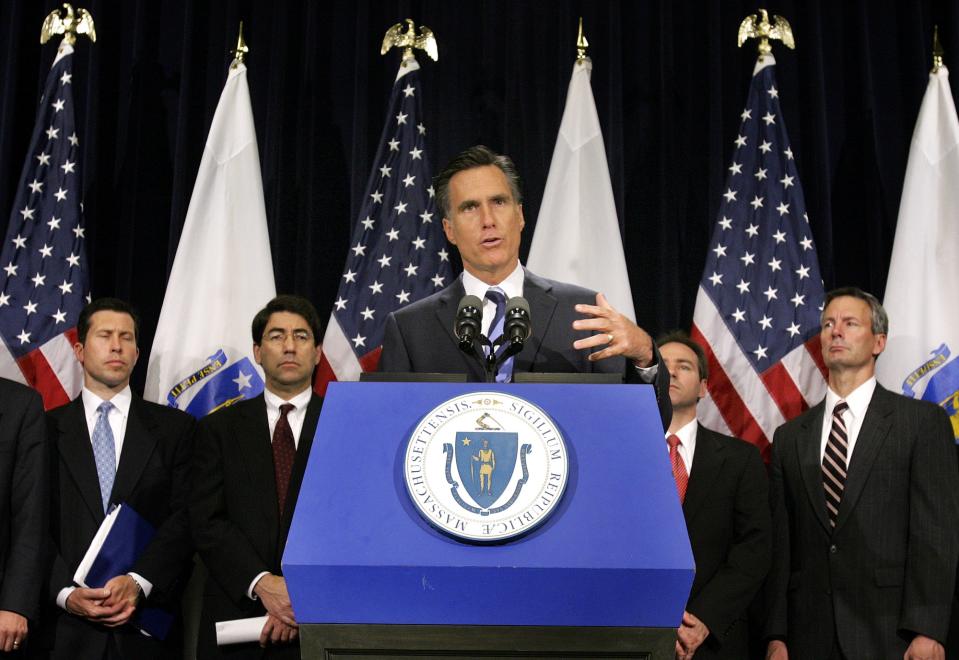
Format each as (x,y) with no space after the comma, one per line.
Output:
(607,574)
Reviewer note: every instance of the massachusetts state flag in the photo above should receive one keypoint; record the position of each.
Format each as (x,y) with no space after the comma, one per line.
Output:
(398,251)
(577,237)
(43,266)
(921,359)
(202,356)
(759,302)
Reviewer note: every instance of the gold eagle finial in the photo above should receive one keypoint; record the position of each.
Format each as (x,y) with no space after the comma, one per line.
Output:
(760,28)
(69,26)
(395,37)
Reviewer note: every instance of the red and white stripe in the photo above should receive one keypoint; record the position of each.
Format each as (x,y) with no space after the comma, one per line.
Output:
(745,403)
(52,369)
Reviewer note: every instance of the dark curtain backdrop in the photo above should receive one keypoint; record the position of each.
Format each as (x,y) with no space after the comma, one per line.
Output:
(669,84)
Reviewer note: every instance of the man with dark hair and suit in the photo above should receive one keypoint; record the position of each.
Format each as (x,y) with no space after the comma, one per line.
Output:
(23,511)
(249,465)
(724,492)
(111,447)
(479,195)
(864,492)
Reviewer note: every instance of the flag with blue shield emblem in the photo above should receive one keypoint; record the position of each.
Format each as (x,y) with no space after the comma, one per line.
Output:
(921,359)
(222,274)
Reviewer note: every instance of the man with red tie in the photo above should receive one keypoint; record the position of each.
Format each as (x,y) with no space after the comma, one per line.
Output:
(722,485)
(249,464)
(865,497)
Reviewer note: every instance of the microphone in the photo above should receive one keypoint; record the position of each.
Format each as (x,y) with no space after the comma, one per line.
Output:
(517,326)
(469,322)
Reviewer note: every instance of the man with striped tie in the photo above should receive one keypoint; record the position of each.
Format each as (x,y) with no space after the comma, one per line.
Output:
(864,492)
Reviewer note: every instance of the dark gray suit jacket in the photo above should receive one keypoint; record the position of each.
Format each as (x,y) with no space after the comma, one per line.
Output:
(23,498)
(888,569)
(235,517)
(419,338)
(727,517)
(152,478)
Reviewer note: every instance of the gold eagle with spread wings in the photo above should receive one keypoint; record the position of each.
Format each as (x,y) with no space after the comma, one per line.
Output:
(760,28)
(70,25)
(409,40)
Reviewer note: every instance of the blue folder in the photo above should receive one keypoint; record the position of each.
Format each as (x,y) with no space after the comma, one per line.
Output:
(128,538)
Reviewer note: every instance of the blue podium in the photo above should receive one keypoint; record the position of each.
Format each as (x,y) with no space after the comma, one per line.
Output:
(607,573)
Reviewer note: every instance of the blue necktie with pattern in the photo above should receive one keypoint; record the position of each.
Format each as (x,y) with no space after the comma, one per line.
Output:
(104,452)
(498,297)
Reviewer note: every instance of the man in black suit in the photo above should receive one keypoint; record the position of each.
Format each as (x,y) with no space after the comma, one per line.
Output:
(724,492)
(109,446)
(23,510)
(864,492)
(248,468)
(479,195)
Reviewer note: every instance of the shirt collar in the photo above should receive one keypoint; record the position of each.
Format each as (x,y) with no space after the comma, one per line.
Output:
(858,399)
(300,401)
(512,285)
(121,400)
(687,434)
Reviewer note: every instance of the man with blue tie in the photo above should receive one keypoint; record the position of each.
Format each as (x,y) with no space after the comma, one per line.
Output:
(574,330)
(110,447)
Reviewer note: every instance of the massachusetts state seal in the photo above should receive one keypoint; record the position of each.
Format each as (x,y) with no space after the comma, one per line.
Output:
(486,466)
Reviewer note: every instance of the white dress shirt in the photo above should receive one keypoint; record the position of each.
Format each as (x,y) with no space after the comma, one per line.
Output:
(687,443)
(858,401)
(512,286)
(117,418)
(295,417)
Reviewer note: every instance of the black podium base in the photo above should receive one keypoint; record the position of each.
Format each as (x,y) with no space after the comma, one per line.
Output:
(378,642)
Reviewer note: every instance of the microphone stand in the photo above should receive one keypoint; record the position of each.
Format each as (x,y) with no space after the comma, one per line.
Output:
(491,362)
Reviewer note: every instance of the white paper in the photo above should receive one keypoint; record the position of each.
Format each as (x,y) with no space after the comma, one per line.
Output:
(239,631)
(80,577)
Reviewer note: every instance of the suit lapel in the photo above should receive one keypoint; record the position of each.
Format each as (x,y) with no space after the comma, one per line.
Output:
(542,304)
(138,445)
(872,435)
(810,463)
(73,444)
(707,463)
(446,315)
(254,442)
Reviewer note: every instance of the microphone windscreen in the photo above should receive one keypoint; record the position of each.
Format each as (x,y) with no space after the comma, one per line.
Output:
(470,301)
(517,301)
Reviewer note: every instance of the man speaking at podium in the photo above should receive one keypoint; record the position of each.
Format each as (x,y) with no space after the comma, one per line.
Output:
(574,330)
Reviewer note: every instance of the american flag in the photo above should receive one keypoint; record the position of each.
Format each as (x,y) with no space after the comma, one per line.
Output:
(758,305)
(398,252)
(43,265)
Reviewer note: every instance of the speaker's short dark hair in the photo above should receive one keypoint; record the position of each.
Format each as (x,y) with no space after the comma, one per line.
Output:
(478,156)
(288,303)
(681,337)
(106,305)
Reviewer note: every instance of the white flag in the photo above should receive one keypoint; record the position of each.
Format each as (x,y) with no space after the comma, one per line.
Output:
(921,359)
(222,275)
(577,237)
